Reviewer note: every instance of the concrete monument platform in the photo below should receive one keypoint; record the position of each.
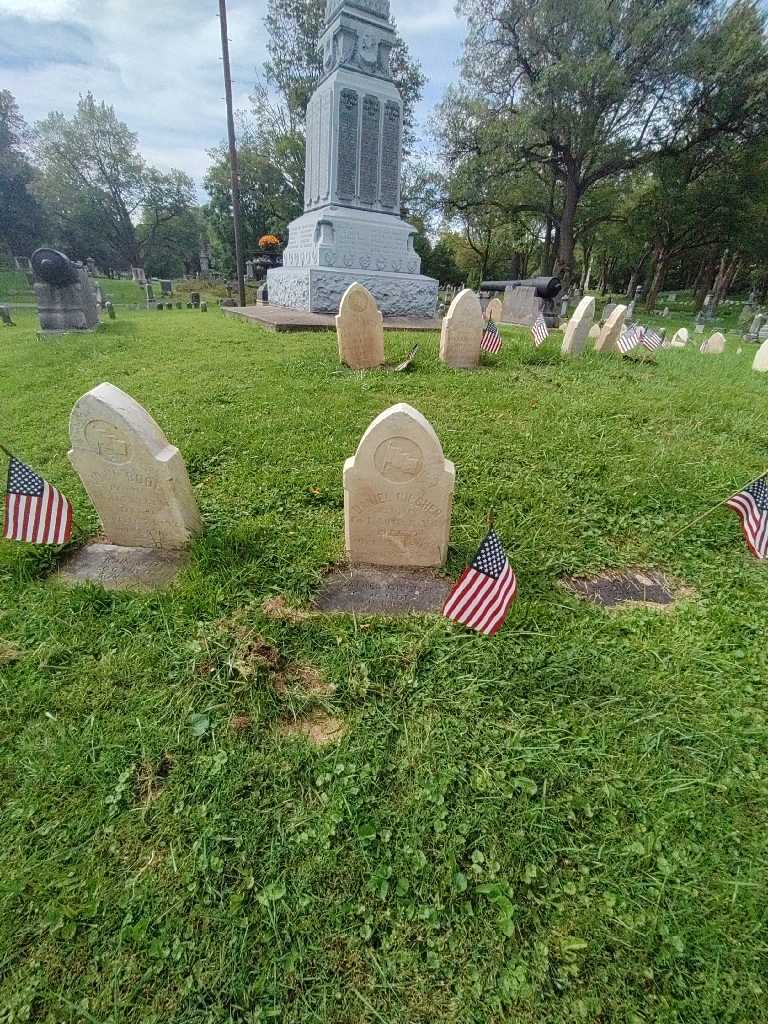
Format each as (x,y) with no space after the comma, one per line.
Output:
(281,318)
(122,568)
(370,590)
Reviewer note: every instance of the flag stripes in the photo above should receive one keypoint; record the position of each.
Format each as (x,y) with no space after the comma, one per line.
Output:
(751,506)
(491,339)
(483,593)
(539,330)
(35,511)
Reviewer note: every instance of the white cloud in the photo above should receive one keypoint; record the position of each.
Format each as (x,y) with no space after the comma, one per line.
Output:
(39,10)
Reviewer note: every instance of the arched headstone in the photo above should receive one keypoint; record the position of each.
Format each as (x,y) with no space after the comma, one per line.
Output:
(398,490)
(760,362)
(679,338)
(578,327)
(714,345)
(493,310)
(136,480)
(461,332)
(360,329)
(607,340)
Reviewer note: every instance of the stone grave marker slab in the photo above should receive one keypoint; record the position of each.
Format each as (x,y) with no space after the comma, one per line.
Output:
(760,362)
(610,589)
(521,306)
(398,490)
(578,327)
(373,591)
(122,568)
(360,329)
(461,332)
(715,345)
(679,338)
(493,310)
(610,332)
(136,480)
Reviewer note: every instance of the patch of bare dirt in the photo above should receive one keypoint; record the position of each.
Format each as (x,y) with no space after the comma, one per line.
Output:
(276,608)
(240,723)
(8,653)
(318,728)
(150,779)
(302,678)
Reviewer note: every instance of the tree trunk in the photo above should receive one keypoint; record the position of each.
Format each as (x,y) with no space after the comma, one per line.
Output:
(705,284)
(587,273)
(566,227)
(662,258)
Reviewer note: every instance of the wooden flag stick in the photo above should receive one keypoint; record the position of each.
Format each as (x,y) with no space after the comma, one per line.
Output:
(714,508)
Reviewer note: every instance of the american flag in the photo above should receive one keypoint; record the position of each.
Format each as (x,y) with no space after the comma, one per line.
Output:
(35,511)
(751,504)
(491,339)
(539,330)
(631,338)
(483,593)
(703,345)
(651,339)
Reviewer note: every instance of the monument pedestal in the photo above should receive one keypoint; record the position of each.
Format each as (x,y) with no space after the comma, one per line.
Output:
(319,290)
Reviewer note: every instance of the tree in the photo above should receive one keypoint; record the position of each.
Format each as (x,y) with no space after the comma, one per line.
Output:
(22,220)
(172,247)
(97,186)
(590,91)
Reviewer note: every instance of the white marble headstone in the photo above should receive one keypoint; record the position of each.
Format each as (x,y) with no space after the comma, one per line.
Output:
(360,329)
(610,333)
(461,331)
(578,327)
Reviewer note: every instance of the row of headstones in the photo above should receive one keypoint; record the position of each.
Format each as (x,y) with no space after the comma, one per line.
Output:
(202,306)
(398,487)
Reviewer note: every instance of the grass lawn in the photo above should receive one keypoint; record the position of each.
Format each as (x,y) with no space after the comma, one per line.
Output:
(565,823)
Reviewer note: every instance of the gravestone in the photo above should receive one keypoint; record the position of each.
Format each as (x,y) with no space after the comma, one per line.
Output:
(194,298)
(149,292)
(594,331)
(5,316)
(166,287)
(90,266)
(203,307)
(66,300)
(493,310)
(520,306)
(109,306)
(714,345)
(609,308)
(461,332)
(672,296)
(698,328)
(359,329)
(138,275)
(665,311)
(630,310)
(754,328)
(398,490)
(762,334)
(135,478)
(249,274)
(610,333)
(262,294)
(760,362)
(679,338)
(351,228)
(577,329)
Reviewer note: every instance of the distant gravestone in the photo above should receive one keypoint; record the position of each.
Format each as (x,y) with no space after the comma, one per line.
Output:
(262,294)
(760,362)
(461,332)
(665,311)
(194,298)
(203,307)
(578,327)
(714,345)
(520,306)
(698,328)
(630,310)
(166,287)
(609,308)
(136,480)
(754,328)
(762,334)
(398,490)
(149,292)
(493,311)
(679,338)
(5,316)
(360,329)
(108,305)
(610,332)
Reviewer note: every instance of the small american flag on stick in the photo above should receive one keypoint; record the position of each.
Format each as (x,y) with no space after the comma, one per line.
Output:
(35,511)
(491,339)
(539,330)
(651,339)
(751,505)
(483,593)
(631,338)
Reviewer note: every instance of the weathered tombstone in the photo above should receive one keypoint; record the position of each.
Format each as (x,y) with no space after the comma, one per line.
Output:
(754,328)
(594,331)
(714,345)
(520,306)
(609,308)
(262,294)
(665,311)
(149,293)
(90,265)
(461,332)
(5,316)
(493,310)
(179,305)
(166,287)
(610,333)
(190,306)
(760,362)
(762,334)
(679,338)
(630,310)
(578,327)
(360,329)
(398,490)
(138,275)
(64,293)
(110,309)
(135,478)
(698,328)
(203,307)
(160,305)
(194,298)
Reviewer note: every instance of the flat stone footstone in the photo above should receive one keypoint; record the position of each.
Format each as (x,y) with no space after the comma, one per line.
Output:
(374,591)
(122,568)
(610,589)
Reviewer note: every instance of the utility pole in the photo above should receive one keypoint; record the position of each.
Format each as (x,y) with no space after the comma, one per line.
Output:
(233,163)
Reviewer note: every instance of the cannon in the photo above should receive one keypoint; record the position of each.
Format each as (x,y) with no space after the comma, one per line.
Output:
(54,267)
(546,287)
(66,299)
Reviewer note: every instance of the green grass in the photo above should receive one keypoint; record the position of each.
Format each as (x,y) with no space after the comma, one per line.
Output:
(567,822)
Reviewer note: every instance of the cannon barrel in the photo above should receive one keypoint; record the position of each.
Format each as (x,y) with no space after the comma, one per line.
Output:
(53,267)
(546,287)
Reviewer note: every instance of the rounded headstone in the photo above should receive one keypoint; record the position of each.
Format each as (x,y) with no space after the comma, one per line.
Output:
(359,329)
(714,345)
(679,338)
(578,328)
(461,332)
(610,332)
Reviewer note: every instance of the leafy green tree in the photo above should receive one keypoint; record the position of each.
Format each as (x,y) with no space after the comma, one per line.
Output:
(173,246)
(96,186)
(589,91)
(22,220)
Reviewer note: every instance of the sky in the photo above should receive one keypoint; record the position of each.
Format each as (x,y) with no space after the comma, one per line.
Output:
(157,62)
